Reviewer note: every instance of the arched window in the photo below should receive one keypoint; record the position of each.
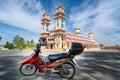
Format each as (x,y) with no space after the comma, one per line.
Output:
(47,27)
(62,24)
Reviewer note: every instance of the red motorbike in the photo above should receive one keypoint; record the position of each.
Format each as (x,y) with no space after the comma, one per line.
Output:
(62,64)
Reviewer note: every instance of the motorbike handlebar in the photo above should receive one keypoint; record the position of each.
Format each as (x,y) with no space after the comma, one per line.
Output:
(38,45)
(37,49)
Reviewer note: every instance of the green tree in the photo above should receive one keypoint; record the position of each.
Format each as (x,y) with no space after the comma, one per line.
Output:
(6,45)
(9,45)
(16,40)
(28,44)
(19,42)
(32,43)
(22,43)
(0,38)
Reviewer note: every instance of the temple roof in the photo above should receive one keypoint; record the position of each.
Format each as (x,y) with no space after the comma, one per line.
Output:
(75,38)
(60,7)
(45,14)
(90,33)
(77,27)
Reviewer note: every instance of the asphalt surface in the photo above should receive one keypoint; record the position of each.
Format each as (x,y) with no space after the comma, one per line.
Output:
(93,66)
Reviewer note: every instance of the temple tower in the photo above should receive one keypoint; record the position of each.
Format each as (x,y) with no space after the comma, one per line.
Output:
(45,25)
(59,29)
(77,31)
(60,17)
(90,35)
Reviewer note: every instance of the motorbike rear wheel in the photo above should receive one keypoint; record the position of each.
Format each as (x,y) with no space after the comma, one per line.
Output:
(28,69)
(68,71)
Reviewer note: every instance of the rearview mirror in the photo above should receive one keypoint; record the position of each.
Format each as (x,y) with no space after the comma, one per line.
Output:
(43,41)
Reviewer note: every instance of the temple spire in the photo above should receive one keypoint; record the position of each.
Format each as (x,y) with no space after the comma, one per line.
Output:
(90,35)
(45,25)
(60,17)
(45,22)
(77,31)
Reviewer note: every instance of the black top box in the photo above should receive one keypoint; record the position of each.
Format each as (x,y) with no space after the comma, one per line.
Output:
(76,48)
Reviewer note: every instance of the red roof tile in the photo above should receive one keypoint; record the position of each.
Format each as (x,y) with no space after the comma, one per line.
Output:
(75,38)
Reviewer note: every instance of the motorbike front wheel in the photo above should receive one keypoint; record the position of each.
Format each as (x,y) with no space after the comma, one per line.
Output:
(67,70)
(28,69)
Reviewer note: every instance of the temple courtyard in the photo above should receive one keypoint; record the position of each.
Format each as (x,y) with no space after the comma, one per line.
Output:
(103,65)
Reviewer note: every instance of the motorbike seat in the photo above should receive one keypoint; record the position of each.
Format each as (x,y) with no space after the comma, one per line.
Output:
(55,57)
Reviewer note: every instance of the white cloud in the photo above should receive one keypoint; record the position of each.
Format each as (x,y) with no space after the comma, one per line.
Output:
(24,14)
(100,19)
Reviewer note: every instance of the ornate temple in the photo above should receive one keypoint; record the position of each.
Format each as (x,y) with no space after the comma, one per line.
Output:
(60,39)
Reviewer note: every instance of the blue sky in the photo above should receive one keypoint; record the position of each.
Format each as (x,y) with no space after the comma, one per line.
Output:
(22,17)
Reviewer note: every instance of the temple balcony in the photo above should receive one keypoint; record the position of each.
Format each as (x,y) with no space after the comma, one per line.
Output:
(51,42)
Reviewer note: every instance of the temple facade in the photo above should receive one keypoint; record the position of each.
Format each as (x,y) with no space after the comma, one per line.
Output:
(59,38)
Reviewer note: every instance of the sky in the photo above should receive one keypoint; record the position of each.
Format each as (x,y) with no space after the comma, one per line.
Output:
(22,17)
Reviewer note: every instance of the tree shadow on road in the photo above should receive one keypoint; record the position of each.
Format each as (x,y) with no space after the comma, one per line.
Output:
(96,66)
(9,67)
(100,67)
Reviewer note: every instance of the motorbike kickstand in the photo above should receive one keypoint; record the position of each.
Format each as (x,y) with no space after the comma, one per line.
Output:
(47,75)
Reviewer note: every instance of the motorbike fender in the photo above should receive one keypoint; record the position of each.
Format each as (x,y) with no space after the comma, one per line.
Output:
(28,60)
(72,61)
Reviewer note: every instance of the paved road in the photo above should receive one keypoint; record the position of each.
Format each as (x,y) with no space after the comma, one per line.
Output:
(93,66)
